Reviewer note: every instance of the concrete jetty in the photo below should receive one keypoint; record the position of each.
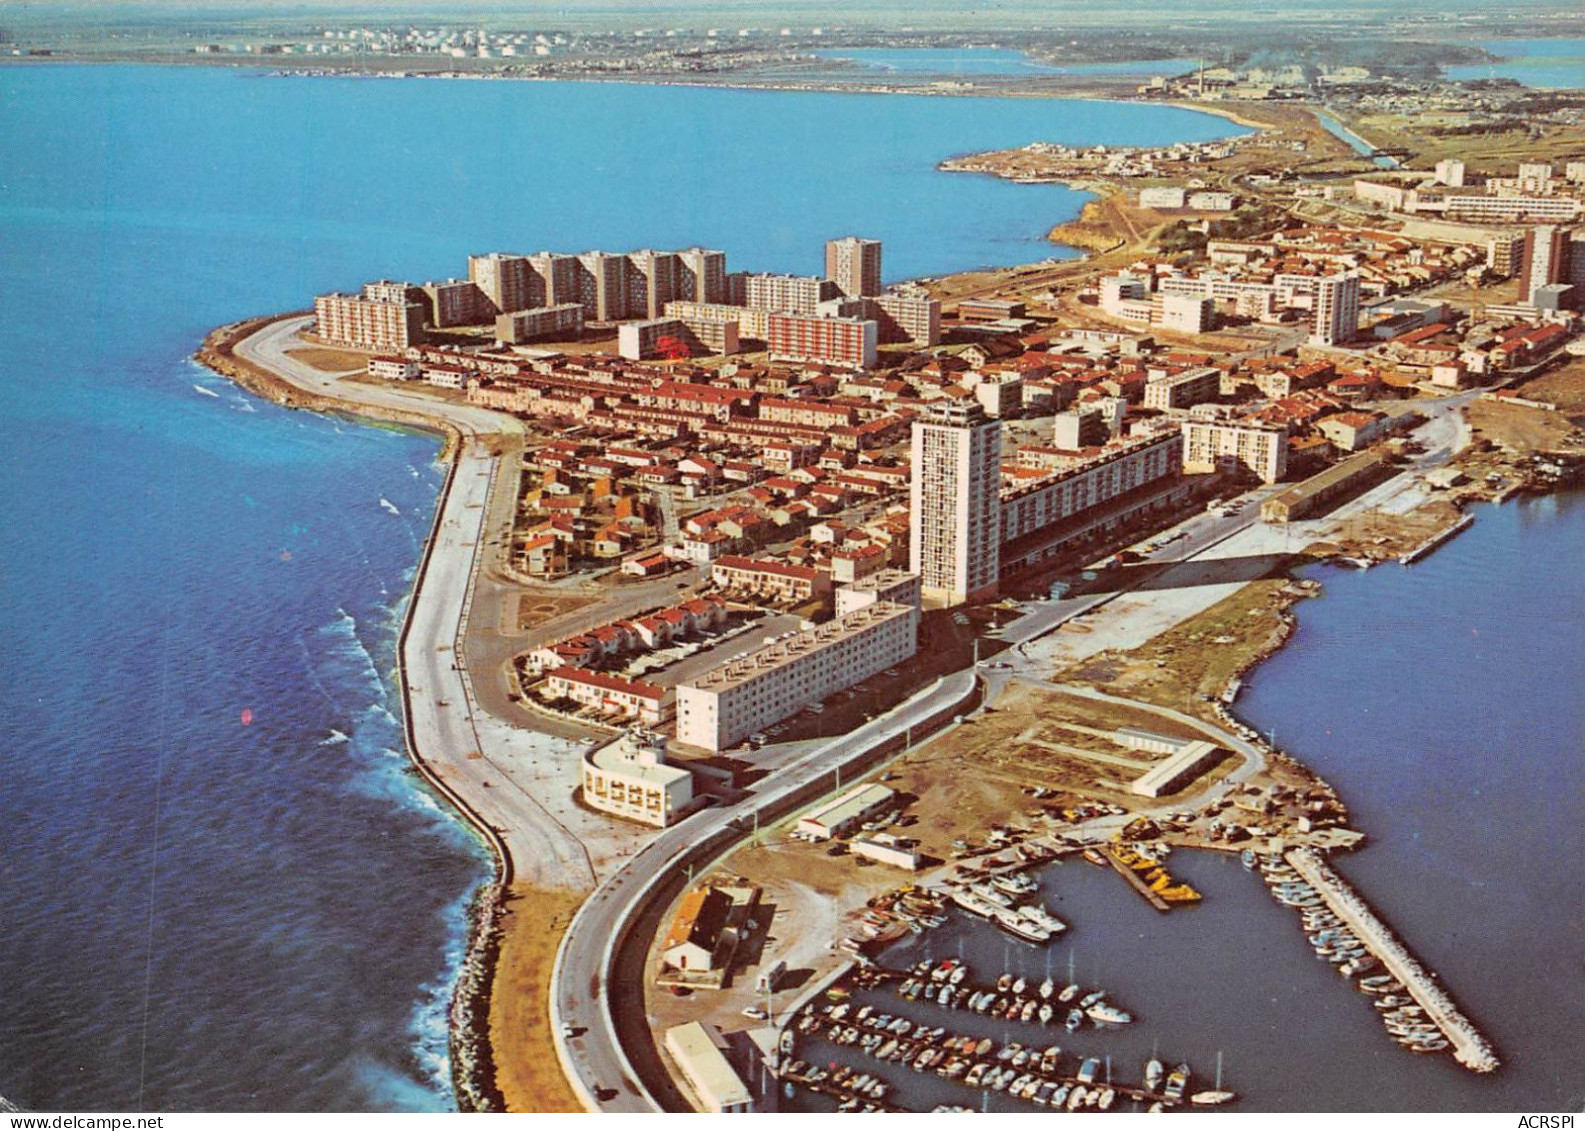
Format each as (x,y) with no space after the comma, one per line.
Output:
(1470,1048)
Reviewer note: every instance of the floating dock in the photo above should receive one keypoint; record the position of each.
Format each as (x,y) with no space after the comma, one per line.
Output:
(1135,882)
(814,1025)
(1470,1048)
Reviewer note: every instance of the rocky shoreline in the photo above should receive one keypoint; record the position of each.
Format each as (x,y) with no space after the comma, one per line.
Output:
(218,353)
(473,1074)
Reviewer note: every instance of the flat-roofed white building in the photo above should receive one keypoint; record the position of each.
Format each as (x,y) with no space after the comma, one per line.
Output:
(1191,760)
(788,294)
(1212,200)
(955,503)
(372,321)
(1161,196)
(1039,515)
(785,675)
(1514,209)
(904,318)
(897,586)
(848,812)
(1182,390)
(543,322)
(752,322)
(630,778)
(394,368)
(1335,318)
(1185,314)
(848,343)
(884,848)
(699,1051)
(653,337)
(1135,738)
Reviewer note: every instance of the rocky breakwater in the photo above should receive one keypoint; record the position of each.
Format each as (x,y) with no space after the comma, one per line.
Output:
(472,1059)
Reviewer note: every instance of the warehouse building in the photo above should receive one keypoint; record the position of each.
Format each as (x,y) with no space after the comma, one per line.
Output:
(848,812)
(700,1052)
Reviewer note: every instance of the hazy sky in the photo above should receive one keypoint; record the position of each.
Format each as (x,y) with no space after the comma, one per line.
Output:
(803,12)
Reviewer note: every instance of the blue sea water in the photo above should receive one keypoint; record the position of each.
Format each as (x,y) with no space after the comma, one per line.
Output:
(970,61)
(1544,63)
(203,912)
(1443,702)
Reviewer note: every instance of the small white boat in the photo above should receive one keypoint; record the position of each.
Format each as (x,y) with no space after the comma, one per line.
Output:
(1109,1014)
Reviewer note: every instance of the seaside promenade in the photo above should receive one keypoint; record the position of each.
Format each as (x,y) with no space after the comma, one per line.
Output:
(477,762)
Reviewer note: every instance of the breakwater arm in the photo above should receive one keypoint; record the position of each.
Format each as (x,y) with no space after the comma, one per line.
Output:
(1470,1047)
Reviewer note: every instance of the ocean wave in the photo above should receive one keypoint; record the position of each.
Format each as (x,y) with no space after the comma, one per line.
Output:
(334,738)
(387,1088)
(430,1029)
(349,657)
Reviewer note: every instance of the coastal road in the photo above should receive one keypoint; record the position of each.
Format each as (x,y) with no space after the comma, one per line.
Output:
(268,348)
(465,760)
(581,999)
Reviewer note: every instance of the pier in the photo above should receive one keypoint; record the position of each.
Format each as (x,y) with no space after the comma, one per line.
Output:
(1135,882)
(1436,540)
(1470,1048)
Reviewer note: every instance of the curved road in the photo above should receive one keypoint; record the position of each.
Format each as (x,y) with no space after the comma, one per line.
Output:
(594,1058)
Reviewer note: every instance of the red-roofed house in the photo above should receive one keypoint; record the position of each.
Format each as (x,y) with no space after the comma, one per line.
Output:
(611,695)
(769,578)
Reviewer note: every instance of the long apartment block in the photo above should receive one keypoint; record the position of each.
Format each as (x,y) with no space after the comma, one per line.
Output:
(784,676)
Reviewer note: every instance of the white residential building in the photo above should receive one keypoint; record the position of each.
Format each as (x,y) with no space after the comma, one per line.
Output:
(1336,316)
(895,586)
(954,491)
(1212,444)
(1184,314)
(1450,173)
(854,265)
(1161,196)
(786,675)
(1183,390)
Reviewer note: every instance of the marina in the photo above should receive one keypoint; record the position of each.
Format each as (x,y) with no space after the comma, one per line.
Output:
(1041,1076)
(1019,1037)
